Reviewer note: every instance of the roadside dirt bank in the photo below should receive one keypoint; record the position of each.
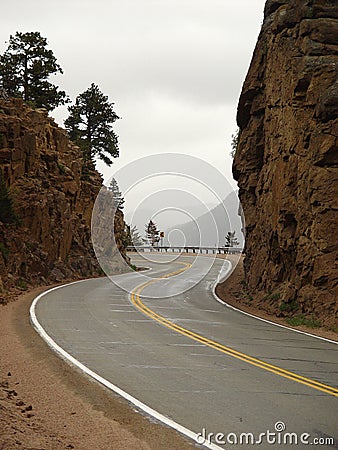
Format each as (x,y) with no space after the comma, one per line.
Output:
(232,292)
(47,404)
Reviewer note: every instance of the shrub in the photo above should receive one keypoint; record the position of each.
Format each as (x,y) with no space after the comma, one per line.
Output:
(302,320)
(289,306)
(7,214)
(22,284)
(61,169)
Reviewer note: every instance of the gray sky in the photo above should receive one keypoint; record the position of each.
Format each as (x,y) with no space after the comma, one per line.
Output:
(174,69)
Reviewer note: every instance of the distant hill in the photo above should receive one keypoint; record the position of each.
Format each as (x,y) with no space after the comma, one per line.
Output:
(166,208)
(210,228)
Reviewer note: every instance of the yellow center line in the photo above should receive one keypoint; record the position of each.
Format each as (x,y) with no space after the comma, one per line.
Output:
(136,300)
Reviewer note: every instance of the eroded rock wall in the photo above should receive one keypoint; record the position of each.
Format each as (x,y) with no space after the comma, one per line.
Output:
(286,161)
(53,198)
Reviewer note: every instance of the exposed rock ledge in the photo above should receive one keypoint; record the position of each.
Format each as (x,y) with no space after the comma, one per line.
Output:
(286,163)
(53,198)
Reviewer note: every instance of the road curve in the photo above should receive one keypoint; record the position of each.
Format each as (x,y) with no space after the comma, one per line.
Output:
(200,364)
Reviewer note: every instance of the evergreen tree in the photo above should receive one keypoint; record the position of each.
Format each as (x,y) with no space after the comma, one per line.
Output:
(89,125)
(25,68)
(117,194)
(152,233)
(133,237)
(231,239)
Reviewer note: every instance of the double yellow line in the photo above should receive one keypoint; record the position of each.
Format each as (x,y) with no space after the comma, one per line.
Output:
(135,298)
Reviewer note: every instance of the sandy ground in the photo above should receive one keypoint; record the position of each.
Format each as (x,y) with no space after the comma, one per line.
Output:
(47,404)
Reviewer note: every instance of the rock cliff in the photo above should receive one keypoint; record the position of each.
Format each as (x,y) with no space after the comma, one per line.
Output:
(53,198)
(286,161)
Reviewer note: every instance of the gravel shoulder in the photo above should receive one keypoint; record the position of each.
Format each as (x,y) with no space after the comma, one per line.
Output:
(47,404)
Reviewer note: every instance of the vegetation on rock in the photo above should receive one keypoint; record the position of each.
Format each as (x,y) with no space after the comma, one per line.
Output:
(286,161)
(25,68)
(90,125)
(7,214)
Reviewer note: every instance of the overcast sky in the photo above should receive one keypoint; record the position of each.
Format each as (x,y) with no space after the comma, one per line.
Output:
(173,68)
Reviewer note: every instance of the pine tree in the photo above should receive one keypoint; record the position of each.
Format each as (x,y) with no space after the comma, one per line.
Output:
(152,233)
(231,239)
(25,68)
(117,194)
(89,125)
(133,237)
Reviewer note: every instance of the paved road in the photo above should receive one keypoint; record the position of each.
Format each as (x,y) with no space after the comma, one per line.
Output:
(194,360)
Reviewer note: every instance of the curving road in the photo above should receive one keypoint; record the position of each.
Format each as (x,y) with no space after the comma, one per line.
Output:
(201,364)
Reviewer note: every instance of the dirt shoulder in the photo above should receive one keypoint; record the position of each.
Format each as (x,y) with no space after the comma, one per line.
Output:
(232,292)
(47,404)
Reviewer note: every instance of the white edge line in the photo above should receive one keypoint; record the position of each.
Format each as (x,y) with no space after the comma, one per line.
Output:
(69,358)
(222,277)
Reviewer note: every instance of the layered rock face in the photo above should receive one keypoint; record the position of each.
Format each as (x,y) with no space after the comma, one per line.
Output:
(286,162)
(53,198)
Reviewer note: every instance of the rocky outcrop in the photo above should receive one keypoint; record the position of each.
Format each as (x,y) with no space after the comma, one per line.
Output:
(286,161)
(53,198)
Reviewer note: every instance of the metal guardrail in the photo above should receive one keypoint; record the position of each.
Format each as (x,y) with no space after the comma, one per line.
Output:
(174,249)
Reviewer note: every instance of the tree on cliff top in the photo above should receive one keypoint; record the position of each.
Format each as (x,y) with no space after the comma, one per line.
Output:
(89,125)
(25,68)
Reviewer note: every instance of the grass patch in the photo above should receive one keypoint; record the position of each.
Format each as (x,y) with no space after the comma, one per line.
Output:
(289,307)
(100,271)
(62,169)
(133,267)
(271,297)
(302,320)
(247,296)
(309,13)
(274,297)
(22,284)
(31,245)
(334,329)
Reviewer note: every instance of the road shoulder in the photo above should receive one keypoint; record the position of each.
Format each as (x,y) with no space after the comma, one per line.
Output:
(231,291)
(45,403)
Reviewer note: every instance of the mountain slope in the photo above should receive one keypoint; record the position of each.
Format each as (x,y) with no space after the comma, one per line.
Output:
(286,162)
(52,199)
(210,228)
